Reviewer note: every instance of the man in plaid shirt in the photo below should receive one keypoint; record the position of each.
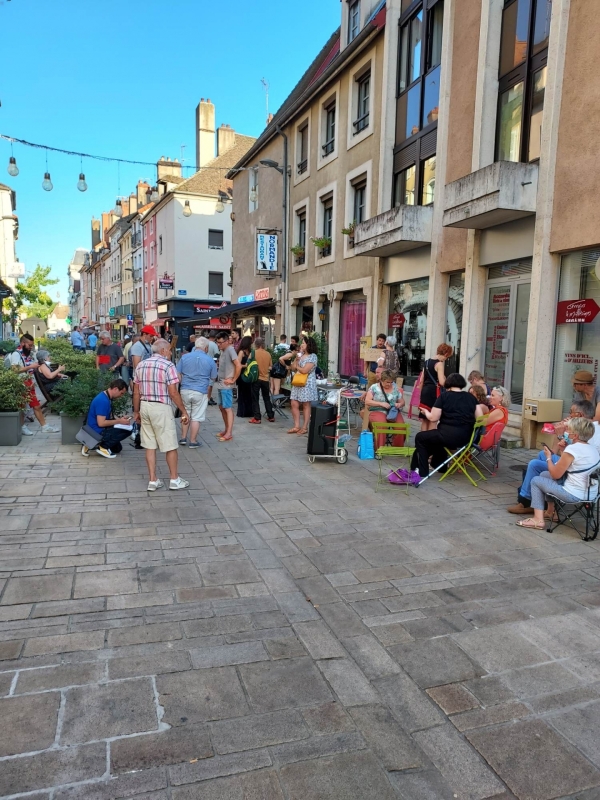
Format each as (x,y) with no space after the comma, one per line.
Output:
(154,389)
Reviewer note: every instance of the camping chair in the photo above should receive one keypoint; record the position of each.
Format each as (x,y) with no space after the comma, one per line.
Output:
(389,451)
(487,451)
(415,399)
(461,460)
(577,512)
(278,401)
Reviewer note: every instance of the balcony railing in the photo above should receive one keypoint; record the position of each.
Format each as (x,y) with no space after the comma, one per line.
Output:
(136,239)
(302,166)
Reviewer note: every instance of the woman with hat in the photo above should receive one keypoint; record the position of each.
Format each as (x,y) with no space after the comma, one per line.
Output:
(584,389)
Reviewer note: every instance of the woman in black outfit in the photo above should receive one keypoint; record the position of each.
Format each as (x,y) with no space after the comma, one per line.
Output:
(244,390)
(454,412)
(432,381)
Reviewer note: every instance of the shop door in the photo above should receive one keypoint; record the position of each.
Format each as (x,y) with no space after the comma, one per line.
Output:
(506,335)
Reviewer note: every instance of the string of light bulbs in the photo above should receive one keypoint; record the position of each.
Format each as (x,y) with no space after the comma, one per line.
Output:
(13,169)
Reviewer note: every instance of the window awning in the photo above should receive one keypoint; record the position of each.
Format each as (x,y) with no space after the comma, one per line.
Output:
(227,311)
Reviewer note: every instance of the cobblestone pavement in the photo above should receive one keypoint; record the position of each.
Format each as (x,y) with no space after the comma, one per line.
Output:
(280,631)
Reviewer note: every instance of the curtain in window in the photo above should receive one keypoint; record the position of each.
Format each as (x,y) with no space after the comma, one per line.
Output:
(352,327)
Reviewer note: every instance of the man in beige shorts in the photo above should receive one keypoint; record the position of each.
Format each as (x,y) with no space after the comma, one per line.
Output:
(154,389)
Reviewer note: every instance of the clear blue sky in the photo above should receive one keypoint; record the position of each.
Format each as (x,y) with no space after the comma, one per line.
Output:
(123,79)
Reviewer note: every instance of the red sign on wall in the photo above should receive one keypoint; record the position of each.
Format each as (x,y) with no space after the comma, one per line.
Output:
(576,311)
(397,320)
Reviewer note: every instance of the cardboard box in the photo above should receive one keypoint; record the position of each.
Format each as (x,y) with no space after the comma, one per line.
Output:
(543,409)
(372,354)
(365,344)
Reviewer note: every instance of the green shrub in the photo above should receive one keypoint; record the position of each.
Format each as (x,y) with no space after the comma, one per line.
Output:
(13,393)
(73,397)
(7,346)
(61,352)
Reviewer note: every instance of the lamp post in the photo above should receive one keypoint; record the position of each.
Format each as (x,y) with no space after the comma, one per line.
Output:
(285,172)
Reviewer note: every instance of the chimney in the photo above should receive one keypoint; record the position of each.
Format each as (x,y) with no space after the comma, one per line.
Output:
(167,167)
(225,139)
(107,221)
(133,203)
(142,193)
(125,206)
(205,132)
(95,232)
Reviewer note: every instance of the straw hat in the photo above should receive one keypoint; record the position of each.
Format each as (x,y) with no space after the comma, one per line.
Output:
(582,376)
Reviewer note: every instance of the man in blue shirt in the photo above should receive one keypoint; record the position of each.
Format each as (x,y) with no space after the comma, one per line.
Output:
(77,340)
(92,341)
(100,419)
(196,370)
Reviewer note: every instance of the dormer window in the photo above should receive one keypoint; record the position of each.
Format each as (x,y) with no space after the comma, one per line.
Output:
(353,20)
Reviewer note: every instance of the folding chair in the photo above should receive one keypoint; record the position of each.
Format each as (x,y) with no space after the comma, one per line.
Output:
(391,429)
(577,512)
(486,452)
(461,460)
(278,402)
(415,399)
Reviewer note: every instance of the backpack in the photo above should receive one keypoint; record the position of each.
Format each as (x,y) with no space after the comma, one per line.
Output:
(250,371)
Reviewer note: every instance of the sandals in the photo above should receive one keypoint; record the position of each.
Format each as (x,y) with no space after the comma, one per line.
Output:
(293,430)
(302,431)
(532,524)
(225,438)
(218,435)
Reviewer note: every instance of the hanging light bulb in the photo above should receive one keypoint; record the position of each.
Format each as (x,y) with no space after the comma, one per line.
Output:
(253,196)
(219,208)
(47,183)
(81,184)
(118,208)
(154,195)
(13,170)
(187,211)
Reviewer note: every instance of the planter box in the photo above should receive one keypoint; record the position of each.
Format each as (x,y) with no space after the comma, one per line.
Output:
(10,428)
(69,427)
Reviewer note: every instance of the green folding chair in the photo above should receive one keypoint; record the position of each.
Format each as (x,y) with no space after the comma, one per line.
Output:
(389,451)
(463,459)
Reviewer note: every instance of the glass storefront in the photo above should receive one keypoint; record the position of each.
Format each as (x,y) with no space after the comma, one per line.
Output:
(408,323)
(577,344)
(454,316)
(304,320)
(353,320)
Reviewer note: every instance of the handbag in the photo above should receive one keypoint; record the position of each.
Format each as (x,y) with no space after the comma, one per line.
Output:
(300,379)
(438,388)
(278,371)
(392,414)
(366,446)
(87,436)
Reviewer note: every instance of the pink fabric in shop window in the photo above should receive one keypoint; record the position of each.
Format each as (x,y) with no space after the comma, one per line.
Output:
(352,327)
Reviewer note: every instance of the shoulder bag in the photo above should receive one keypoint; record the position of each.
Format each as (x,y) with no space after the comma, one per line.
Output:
(438,388)
(87,435)
(392,414)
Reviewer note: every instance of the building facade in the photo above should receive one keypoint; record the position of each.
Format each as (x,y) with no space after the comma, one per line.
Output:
(10,269)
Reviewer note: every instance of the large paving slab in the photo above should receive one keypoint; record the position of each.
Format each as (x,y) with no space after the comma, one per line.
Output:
(280,631)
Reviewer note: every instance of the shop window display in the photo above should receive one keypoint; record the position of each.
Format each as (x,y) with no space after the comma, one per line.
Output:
(408,323)
(577,344)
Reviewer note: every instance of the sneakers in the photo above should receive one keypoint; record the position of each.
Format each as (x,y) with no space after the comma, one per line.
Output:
(49,429)
(154,485)
(520,509)
(183,442)
(105,452)
(179,483)
(194,444)
(85,451)
(25,431)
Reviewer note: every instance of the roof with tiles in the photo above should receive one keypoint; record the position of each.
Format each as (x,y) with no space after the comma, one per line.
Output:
(211,180)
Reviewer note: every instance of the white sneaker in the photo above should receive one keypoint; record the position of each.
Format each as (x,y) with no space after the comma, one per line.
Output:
(25,431)
(105,452)
(179,483)
(154,485)
(49,429)
(85,451)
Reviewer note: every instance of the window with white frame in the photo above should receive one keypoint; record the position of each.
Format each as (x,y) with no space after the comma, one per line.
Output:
(152,225)
(152,254)
(359,200)
(328,145)
(152,294)
(215,240)
(327,227)
(300,235)
(302,148)
(145,232)
(353,20)
(363,102)
(160,244)
(215,284)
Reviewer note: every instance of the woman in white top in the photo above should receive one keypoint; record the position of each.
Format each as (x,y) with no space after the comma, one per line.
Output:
(578,461)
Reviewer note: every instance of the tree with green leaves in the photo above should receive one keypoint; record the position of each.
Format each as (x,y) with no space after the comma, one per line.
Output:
(30,298)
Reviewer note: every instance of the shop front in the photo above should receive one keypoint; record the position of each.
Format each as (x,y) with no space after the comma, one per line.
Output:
(178,317)
(353,325)
(577,340)
(407,322)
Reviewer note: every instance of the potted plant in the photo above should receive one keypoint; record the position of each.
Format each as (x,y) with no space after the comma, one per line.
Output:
(323,243)
(13,399)
(349,232)
(299,251)
(73,400)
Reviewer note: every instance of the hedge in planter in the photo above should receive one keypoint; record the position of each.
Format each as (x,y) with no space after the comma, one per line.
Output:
(13,399)
(61,352)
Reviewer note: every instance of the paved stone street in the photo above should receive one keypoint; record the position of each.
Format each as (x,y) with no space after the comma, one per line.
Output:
(280,631)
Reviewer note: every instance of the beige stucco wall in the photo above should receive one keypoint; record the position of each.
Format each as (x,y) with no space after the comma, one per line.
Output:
(576,217)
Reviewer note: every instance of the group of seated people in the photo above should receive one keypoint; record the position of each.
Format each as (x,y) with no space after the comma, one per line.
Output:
(448,414)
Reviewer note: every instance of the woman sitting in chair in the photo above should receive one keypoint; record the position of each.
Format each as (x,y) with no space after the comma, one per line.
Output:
(49,378)
(578,461)
(455,413)
(382,397)
(499,403)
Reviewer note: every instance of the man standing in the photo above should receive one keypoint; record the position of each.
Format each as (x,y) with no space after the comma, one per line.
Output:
(295,340)
(235,340)
(229,371)
(21,361)
(261,386)
(109,356)
(101,419)
(213,352)
(196,370)
(92,341)
(77,340)
(371,376)
(154,389)
(142,349)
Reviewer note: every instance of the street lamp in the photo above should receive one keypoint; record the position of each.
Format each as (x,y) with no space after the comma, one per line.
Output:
(47,183)
(220,207)
(81,184)
(187,211)
(12,169)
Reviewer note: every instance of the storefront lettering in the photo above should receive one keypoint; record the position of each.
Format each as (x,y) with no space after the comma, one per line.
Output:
(576,311)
